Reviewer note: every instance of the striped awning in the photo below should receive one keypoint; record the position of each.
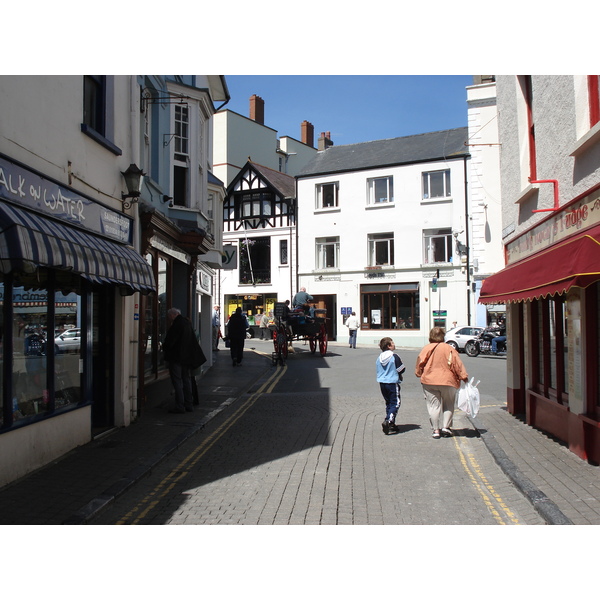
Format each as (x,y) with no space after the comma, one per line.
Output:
(29,241)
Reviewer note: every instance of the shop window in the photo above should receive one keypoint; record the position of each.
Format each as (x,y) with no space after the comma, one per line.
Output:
(436,185)
(381,249)
(550,348)
(380,190)
(327,195)
(437,245)
(46,339)
(390,306)
(327,253)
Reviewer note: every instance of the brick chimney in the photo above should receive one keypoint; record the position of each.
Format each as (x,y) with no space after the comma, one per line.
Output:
(307,134)
(257,109)
(325,140)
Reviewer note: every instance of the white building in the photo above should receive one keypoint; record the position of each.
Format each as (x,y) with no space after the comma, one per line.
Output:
(381,232)
(82,253)
(70,261)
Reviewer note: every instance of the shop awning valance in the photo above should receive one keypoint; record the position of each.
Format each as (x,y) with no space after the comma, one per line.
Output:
(29,241)
(572,262)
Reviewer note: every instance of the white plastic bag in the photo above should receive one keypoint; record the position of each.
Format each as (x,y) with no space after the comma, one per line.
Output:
(467,398)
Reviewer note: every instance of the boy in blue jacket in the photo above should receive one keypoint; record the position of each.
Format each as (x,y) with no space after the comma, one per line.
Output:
(389,375)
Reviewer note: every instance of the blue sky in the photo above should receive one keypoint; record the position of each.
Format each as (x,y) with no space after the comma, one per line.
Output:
(355,108)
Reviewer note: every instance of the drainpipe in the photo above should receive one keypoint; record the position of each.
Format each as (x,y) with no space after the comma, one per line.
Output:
(467,225)
(555,183)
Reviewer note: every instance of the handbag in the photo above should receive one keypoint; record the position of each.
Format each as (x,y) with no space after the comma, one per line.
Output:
(467,397)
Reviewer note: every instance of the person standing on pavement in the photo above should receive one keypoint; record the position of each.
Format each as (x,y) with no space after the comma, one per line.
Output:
(352,325)
(216,326)
(264,324)
(178,347)
(389,376)
(236,331)
(441,370)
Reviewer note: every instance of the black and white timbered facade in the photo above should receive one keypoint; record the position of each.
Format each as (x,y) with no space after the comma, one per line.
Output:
(259,225)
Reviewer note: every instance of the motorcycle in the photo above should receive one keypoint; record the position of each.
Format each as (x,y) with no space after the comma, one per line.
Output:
(482,344)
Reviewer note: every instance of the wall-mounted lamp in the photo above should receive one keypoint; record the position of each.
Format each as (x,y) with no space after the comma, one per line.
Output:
(166,198)
(134,178)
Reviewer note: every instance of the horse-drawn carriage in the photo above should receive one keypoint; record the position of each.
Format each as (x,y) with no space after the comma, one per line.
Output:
(297,324)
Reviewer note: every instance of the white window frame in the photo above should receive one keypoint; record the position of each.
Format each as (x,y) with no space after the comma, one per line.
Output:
(320,195)
(181,132)
(377,241)
(374,192)
(431,241)
(426,182)
(327,248)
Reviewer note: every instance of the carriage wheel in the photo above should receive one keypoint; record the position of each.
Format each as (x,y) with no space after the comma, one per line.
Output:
(323,341)
(313,344)
(281,346)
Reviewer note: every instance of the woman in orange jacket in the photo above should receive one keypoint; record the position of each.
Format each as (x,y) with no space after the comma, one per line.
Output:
(441,371)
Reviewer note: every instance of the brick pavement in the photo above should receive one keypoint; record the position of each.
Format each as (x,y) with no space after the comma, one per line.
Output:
(562,488)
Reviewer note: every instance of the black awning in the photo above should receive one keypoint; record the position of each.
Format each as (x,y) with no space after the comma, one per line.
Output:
(29,241)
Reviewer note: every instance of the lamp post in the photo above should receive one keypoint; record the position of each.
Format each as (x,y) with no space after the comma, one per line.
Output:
(134,178)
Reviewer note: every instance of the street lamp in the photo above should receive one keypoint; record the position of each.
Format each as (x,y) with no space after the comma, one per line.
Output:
(134,178)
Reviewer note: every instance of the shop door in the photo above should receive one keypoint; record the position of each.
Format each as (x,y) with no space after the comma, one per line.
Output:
(103,366)
(328,301)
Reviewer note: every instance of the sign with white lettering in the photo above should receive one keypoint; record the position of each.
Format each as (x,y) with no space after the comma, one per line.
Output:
(30,190)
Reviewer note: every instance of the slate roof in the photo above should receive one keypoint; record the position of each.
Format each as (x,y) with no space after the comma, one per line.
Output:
(283,183)
(449,143)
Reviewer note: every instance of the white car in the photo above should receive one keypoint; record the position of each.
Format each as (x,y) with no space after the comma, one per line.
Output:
(68,341)
(459,336)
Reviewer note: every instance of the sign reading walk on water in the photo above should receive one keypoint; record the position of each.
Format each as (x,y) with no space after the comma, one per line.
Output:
(30,190)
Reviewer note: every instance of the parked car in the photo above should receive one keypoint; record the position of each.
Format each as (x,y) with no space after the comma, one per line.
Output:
(459,336)
(68,341)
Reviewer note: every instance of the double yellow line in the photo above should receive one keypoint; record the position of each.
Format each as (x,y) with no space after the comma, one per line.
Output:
(486,490)
(164,487)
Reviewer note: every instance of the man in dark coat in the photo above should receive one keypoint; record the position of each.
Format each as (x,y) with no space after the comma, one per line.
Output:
(178,347)
(236,331)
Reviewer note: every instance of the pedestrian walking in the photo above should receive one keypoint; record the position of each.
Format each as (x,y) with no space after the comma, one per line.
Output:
(389,375)
(236,332)
(216,326)
(441,370)
(264,325)
(183,354)
(352,325)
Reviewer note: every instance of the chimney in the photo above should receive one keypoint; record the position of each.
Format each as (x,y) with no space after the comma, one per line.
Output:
(257,109)
(325,141)
(307,134)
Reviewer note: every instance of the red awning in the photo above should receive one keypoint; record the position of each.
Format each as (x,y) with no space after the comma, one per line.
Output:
(572,262)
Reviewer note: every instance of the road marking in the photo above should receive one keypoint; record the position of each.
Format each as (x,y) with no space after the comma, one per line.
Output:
(178,473)
(490,497)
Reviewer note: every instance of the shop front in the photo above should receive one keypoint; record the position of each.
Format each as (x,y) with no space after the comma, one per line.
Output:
(551,289)
(66,270)
(254,305)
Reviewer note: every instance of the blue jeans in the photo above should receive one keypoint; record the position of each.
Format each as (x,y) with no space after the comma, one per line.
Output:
(352,340)
(500,338)
(391,395)
(181,379)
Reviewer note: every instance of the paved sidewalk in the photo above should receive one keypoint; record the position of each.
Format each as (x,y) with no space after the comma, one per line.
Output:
(562,488)
(76,487)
